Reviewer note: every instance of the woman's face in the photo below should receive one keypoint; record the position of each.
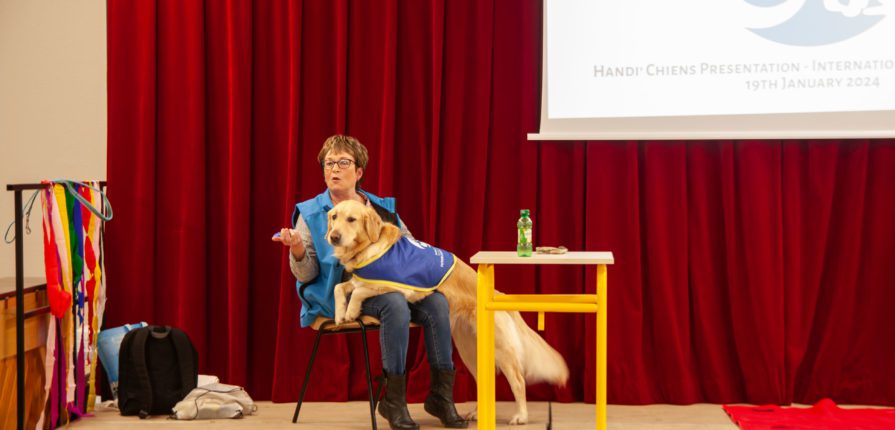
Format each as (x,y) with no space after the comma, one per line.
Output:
(339,177)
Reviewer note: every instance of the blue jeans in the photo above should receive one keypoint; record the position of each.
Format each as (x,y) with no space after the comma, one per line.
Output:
(395,314)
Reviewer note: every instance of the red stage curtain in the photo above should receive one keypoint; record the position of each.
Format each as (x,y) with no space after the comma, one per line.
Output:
(753,271)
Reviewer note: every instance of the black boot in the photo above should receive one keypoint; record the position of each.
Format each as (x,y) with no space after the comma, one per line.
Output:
(393,406)
(440,402)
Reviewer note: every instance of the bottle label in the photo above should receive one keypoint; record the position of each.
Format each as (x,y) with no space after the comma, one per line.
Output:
(524,236)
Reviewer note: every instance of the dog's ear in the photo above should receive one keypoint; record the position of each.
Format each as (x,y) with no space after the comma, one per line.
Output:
(373,224)
(329,224)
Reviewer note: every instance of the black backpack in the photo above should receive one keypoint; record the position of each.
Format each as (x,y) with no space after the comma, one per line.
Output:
(157,367)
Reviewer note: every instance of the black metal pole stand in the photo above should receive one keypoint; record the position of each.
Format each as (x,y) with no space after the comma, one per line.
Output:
(20,317)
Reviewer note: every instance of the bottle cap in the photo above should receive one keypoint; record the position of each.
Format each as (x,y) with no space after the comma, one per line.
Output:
(524,212)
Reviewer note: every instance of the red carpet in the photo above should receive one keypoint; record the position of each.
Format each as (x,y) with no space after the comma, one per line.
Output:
(823,415)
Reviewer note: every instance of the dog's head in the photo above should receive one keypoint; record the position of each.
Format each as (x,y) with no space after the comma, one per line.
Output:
(351,226)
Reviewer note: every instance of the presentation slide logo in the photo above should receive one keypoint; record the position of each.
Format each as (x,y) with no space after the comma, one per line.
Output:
(823,22)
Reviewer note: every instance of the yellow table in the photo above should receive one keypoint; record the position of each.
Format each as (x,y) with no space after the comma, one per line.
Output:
(488,303)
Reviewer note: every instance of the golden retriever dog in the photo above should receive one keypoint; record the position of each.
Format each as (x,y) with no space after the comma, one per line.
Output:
(358,235)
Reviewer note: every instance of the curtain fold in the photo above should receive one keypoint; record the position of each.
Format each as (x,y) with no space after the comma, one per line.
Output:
(746,271)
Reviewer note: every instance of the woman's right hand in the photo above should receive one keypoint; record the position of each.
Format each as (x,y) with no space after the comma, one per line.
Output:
(291,238)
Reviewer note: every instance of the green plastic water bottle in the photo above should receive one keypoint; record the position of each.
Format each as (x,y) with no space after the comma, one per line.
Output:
(523,238)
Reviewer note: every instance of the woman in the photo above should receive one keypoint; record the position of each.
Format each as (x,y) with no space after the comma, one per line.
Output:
(343,159)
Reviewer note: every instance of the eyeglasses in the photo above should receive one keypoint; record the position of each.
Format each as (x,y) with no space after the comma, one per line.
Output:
(343,164)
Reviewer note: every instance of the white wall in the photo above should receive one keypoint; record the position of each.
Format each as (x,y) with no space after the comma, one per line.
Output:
(52,104)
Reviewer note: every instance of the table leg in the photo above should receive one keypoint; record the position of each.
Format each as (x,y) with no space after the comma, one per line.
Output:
(601,347)
(485,348)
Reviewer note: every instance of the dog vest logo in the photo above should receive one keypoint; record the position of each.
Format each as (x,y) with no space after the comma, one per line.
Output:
(823,22)
(408,264)
(418,244)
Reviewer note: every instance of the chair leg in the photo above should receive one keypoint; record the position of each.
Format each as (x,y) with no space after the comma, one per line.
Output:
(304,385)
(363,334)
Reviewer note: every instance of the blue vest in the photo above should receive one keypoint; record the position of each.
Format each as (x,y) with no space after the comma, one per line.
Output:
(317,294)
(408,264)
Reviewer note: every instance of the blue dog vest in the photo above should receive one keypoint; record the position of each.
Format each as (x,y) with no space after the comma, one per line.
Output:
(408,264)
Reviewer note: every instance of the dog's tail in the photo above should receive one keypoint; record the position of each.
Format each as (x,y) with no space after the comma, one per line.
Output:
(542,362)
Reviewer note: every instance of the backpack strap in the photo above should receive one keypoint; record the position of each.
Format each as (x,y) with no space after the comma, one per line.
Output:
(138,354)
(186,358)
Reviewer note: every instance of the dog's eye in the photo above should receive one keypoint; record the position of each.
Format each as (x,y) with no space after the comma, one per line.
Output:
(335,216)
(350,219)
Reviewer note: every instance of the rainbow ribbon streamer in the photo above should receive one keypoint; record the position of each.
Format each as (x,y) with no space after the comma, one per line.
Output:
(76,289)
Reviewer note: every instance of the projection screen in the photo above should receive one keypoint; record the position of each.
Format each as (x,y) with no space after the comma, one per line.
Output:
(717,69)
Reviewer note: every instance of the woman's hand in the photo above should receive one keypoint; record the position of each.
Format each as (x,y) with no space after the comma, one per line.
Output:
(289,237)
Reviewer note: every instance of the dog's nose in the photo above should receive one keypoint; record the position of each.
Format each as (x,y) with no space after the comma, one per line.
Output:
(334,238)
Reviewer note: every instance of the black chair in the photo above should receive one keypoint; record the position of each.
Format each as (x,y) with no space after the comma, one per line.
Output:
(327,326)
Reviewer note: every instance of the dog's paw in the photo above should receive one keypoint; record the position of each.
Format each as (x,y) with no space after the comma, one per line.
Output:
(352,313)
(519,419)
(472,415)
